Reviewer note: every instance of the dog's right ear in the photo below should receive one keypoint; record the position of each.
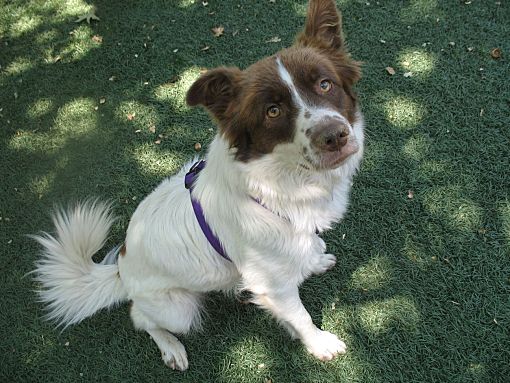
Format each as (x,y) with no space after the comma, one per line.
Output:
(215,90)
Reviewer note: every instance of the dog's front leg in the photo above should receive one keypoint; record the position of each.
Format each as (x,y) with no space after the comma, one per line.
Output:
(320,261)
(284,303)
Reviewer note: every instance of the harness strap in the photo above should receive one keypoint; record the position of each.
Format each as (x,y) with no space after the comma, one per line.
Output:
(189,181)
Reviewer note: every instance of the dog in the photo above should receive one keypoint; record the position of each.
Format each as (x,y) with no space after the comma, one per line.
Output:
(248,217)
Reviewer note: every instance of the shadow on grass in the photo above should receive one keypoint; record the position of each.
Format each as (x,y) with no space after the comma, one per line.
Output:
(419,280)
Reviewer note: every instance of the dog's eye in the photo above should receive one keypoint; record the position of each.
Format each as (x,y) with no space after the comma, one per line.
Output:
(273,111)
(326,85)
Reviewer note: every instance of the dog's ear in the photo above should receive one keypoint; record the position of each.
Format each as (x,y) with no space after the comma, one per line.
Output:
(215,90)
(323,26)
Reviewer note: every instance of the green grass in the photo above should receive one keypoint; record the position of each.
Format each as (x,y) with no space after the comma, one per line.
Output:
(421,291)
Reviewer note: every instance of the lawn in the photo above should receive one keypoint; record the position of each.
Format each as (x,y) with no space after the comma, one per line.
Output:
(421,290)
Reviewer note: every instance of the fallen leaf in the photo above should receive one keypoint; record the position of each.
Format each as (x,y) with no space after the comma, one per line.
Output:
(470,49)
(218,31)
(97,38)
(57,59)
(272,1)
(138,130)
(157,142)
(408,74)
(496,53)
(390,70)
(131,116)
(102,100)
(451,43)
(112,78)
(90,15)
(206,48)
(382,41)
(198,146)
(66,344)
(152,129)
(410,194)
(275,39)
(205,3)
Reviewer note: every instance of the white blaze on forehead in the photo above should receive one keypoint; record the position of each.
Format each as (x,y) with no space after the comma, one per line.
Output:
(287,79)
(317,113)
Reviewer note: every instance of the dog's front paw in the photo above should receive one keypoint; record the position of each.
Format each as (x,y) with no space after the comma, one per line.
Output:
(325,345)
(322,263)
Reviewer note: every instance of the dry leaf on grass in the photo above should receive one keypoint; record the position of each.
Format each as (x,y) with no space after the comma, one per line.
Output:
(390,70)
(131,116)
(408,74)
(98,39)
(152,129)
(410,194)
(496,53)
(218,31)
(102,100)
(90,15)
(198,146)
(206,48)
(275,39)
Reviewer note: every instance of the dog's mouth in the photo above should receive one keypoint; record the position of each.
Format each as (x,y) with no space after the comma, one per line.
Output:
(326,160)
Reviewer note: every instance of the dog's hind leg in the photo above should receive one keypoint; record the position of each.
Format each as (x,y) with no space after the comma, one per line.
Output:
(163,313)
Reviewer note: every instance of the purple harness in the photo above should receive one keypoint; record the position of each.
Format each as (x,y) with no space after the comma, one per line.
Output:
(189,181)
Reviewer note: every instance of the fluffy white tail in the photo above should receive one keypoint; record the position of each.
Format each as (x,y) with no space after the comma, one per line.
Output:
(73,286)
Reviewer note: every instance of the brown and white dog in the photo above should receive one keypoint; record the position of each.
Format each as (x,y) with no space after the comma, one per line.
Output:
(279,171)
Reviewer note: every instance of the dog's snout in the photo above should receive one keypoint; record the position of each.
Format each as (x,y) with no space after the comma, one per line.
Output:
(331,137)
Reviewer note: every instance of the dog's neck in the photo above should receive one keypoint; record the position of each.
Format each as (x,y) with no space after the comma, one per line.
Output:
(294,194)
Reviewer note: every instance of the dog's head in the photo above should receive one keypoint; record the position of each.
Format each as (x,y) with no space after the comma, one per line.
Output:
(297,105)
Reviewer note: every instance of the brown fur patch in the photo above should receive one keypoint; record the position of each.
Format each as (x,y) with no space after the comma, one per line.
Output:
(239,100)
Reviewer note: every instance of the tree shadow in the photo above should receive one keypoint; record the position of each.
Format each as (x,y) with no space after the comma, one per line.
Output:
(424,242)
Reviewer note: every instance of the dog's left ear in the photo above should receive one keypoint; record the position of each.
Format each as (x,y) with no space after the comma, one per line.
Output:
(323,26)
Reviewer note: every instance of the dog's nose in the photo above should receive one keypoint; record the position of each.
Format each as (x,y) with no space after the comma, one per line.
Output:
(331,137)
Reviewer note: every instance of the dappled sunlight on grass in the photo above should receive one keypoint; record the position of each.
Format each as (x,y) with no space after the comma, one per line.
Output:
(249,355)
(72,7)
(175,92)
(42,184)
(73,120)
(373,275)
(403,113)
(416,10)
(19,65)
(76,117)
(381,316)
(416,147)
(419,62)
(39,108)
(25,24)
(300,9)
(155,161)
(476,372)
(505,218)
(46,37)
(81,44)
(450,203)
(432,167)
(140,116)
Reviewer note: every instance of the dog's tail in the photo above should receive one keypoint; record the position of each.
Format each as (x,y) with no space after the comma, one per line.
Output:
(73,286)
